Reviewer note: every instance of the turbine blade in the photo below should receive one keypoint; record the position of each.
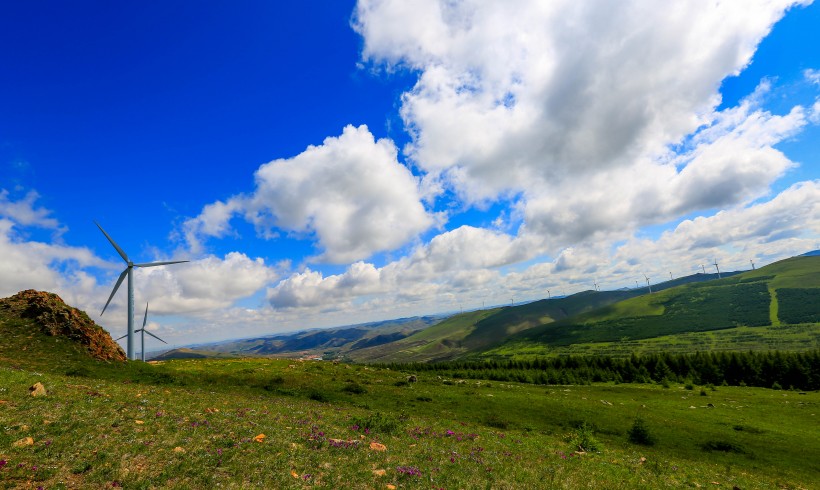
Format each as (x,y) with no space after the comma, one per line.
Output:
(152,264)
(116,286)
(152,335)
(117,247)
(126,335)
(145,318)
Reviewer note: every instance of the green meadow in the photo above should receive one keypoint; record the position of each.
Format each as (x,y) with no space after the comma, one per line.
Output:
(290,424)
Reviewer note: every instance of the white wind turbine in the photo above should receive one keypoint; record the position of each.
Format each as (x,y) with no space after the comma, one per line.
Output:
(144,331)
(129,272)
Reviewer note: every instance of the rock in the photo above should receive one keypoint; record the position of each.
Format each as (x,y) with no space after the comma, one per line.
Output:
(379,472)
(412,378)
(37,389)
(377,446)
(179,450)
(26,441)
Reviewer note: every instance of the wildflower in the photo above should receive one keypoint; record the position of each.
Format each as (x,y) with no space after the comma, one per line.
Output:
(3,463)
(408,470)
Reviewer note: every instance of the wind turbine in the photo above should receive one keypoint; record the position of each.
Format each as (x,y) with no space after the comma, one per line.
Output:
(129,272)
(549,296)
(144,331)
(753,264)
(718,268)
(704,268)
(647,284)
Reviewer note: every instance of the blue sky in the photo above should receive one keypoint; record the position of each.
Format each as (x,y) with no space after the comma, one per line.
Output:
(325,163)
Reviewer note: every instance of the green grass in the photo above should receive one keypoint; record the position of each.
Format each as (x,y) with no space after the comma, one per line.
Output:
(800,337)
(92,432)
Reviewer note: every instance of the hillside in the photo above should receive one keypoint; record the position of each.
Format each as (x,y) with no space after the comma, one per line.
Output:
(469,333)
(779,295)
(38,330)
(477,330)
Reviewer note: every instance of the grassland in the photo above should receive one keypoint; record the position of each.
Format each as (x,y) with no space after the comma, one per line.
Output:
(199,424)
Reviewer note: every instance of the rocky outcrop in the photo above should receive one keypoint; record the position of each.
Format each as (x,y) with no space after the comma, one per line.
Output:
(56,318)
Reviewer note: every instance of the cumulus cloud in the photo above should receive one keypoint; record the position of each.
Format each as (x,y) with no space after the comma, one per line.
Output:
(559,105)
(350,193)
(210,283)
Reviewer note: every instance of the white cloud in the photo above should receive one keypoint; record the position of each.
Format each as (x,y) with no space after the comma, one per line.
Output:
(350,193)
(25,212)
(813,76)
(578,108)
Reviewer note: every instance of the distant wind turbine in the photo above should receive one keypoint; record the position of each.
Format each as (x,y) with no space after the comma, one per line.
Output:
(753,264)
(670,276)
(647,284)
(144,331)
(129,272)
(596,285)
(704,268)
(549,296)
(718,268)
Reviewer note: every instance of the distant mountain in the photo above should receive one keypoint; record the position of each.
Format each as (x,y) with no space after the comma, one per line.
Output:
(813,253)
(328,343)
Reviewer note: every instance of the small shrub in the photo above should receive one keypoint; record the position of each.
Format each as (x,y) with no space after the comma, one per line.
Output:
(776,386)
(401,383)
(702,392)
(317,396)
(497,422)
(584,439)
(424,398)
(376,422)
(689,386)
(639,433)
(355,388)
(273,383)
(665,383)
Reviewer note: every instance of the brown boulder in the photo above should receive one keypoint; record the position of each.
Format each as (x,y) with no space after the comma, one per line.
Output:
(37,389)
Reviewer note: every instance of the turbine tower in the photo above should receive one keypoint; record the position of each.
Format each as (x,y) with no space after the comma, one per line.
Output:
(129,271)
(718,268)
(753,264)
(647,284)
(704,268)
(144,331)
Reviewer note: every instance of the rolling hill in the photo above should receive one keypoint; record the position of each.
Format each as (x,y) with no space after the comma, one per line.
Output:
(775,297)
(468,333)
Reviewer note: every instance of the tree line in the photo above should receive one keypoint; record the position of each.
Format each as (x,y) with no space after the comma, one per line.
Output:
(775,369)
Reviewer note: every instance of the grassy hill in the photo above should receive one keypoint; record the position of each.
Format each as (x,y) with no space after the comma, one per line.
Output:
(679,312)
(477,330)
(782,300)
